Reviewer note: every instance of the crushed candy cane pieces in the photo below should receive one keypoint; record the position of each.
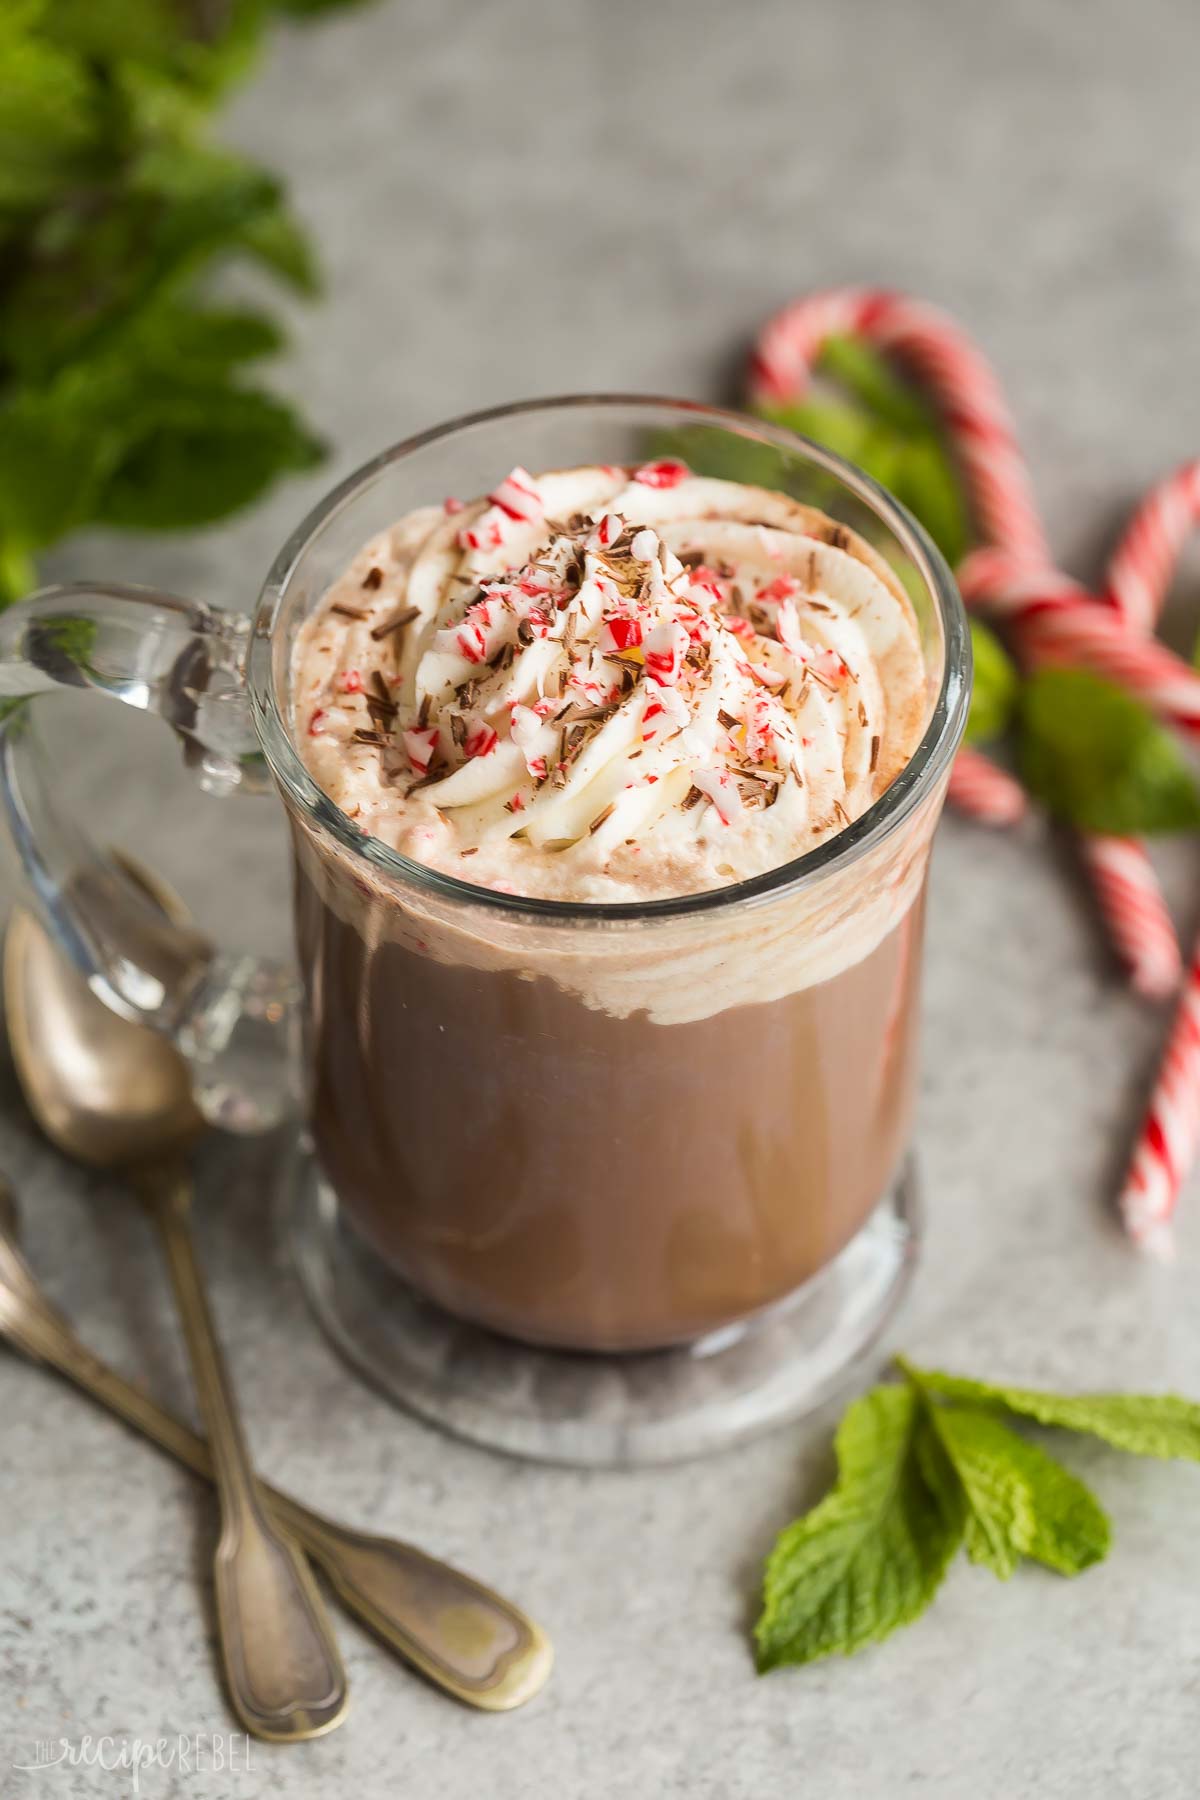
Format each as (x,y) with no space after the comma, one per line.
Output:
(667,473)
(420,747)
(598,639)
(519,497)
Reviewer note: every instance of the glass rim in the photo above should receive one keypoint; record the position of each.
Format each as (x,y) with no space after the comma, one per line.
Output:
(929,761)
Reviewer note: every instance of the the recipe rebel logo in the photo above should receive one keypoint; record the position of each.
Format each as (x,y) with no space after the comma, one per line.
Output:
(187,1753)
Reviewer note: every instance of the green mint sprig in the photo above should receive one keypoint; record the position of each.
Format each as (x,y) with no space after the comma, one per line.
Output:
(124,396)
(1098,760)
(931,1465)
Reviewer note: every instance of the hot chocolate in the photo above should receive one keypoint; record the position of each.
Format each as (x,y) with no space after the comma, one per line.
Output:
(601,1120)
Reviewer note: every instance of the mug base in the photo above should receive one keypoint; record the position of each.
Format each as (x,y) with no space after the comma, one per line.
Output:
(588,1410)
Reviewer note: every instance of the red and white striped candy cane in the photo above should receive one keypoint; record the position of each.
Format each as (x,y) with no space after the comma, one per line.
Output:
(1144,561)
(1139,575)
(1013,570)
(1141,928)
(1169,1139)
(985,792)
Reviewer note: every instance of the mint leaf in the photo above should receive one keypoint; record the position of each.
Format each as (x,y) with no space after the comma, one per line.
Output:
(185,340)
(905,451)
(201,453)
(868,375)
(49,119)
(189,40)
(927,1466)
(939,1473)
(206,200)
(153,434)
(119,400)
(155,106)
(1096,758)
(1159,1425)
(1020,1501)
(179,207)
(53,463)
(871,1556)
(146,31)
(928,485)
(914,467)
(994,694)
(843,429)
(18,19)
(279,244)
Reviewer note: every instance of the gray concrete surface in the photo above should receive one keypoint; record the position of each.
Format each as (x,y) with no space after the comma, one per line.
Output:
(532,197)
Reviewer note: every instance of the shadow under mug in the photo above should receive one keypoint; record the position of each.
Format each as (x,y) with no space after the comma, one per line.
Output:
(586,1126)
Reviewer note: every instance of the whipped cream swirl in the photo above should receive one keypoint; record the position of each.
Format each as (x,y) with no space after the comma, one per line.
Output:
(610,684)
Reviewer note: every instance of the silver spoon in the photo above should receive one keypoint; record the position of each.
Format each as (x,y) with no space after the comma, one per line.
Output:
(466,1639)
(115,1095)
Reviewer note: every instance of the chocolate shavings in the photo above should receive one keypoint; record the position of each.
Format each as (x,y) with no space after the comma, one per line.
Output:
(395,623)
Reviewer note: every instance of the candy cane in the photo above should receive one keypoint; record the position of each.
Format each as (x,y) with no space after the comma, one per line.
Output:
(1144,561)
(1170,1135)
(1054,617)
(984,792)
(1167,1144)
(1141,928)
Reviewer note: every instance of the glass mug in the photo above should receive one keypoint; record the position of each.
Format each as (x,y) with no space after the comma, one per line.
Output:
(598,1127)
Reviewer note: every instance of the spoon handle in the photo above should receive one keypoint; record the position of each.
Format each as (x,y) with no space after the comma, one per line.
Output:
(422,1609)
(281,1661)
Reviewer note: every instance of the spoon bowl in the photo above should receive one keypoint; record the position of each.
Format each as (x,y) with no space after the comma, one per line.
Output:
(107,1092)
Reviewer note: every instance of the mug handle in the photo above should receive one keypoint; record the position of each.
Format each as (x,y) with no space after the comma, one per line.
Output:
(230,1015)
